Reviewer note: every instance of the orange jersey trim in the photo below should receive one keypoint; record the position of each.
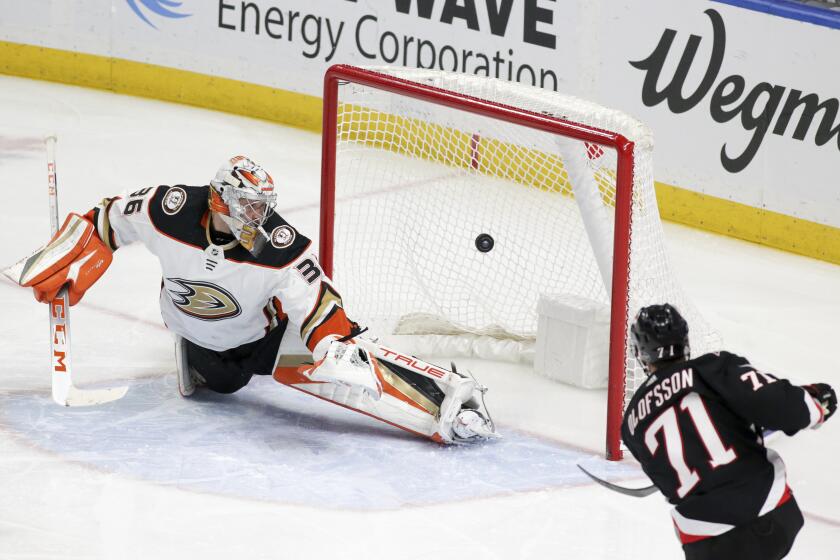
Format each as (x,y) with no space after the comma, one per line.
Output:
(278,308)
(336,323)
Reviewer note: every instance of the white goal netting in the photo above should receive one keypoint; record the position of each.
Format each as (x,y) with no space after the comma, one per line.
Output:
(422,191)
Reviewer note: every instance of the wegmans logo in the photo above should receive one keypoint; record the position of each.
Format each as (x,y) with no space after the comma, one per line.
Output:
(761,108)
(162,8)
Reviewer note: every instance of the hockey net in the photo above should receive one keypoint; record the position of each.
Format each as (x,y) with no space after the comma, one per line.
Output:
(421,167)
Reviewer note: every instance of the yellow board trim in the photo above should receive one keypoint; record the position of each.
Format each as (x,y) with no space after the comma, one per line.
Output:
(742,221)
(159,82)
(304,111)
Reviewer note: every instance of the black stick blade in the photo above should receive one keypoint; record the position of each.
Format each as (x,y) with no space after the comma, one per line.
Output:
(635,492)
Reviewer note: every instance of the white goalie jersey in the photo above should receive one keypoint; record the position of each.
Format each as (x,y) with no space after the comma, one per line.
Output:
(221,296)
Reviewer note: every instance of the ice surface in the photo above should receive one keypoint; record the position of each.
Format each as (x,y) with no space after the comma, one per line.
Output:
(233,446)
(270,473)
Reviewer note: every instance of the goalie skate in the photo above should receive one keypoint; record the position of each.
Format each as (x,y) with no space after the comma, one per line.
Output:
(461,421)
(471,425)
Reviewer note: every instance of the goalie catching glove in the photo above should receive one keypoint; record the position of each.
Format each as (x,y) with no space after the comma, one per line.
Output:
(75,257)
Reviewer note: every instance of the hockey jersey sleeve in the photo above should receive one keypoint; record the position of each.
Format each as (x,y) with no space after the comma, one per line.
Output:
(310,300)
(763,398)
(123,219)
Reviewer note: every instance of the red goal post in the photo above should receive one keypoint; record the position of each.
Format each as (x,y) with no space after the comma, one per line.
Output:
(422,91)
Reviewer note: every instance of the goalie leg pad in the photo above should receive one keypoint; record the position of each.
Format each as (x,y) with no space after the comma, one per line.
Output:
(397,411)
(416,396)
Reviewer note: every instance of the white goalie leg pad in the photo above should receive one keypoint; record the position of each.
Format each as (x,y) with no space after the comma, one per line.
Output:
(388,408)
(456,423)
(398,402)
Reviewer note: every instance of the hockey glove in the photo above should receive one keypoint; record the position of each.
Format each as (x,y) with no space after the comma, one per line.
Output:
(825,397)
(346,364)
(75,257)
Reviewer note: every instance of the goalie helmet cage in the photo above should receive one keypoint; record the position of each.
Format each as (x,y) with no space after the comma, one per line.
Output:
(451,202)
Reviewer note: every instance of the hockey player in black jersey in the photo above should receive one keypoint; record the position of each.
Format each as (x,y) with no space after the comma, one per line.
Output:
(696,427)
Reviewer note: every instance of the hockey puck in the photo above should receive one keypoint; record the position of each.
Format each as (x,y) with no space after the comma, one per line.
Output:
(484,243)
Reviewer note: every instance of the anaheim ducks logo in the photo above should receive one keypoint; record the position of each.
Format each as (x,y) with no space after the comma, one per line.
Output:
(203,300)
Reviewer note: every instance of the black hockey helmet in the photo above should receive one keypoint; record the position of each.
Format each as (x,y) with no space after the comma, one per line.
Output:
(659,334)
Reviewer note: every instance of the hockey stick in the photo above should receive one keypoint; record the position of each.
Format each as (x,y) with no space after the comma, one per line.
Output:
(63,390)
(635,492)
(644,491)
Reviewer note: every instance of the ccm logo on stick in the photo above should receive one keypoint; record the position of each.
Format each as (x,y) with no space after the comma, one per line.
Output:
(57,307)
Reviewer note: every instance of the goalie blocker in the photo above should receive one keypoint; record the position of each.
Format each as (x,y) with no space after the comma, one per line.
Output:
(404,391)
(74,257)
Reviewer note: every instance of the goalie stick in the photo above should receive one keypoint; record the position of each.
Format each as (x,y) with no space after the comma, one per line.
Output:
(63,390)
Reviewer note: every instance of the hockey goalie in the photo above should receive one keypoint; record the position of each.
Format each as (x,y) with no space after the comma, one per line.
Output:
(235,275)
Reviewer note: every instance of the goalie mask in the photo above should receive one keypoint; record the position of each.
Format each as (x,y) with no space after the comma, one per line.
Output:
(242,193)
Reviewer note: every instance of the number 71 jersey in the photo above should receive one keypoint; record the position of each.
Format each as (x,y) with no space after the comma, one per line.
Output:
(696,428)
